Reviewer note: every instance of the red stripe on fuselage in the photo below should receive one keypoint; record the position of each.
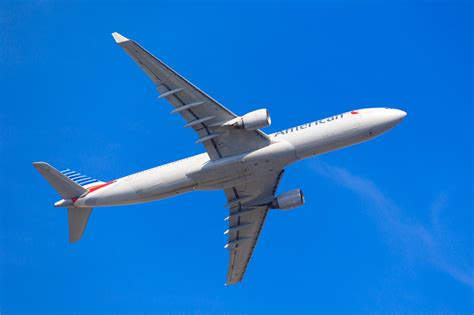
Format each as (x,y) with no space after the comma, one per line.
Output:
(94,188)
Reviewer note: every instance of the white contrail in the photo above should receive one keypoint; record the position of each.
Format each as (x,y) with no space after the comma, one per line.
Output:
(424,241)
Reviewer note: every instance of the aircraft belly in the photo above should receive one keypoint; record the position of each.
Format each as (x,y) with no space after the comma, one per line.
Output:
(163,183)
(153,184)
(230,171)
(238,174)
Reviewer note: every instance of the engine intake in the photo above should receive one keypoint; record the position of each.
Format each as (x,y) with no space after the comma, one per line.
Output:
(288,200)
(257,119)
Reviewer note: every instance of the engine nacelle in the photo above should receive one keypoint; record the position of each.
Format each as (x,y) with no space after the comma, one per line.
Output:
(257,119)
(289,200)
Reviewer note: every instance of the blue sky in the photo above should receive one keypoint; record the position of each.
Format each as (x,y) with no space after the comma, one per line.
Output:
(387,225)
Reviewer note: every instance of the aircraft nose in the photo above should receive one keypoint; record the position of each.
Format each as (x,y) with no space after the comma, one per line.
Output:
(398,114)
(380,120)
(393,116)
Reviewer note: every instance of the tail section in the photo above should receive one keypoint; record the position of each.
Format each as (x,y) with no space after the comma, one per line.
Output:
(64,185)
(70,185)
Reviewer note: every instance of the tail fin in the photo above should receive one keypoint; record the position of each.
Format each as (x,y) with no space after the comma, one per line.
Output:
(77,219)
(70,184)
(65,186)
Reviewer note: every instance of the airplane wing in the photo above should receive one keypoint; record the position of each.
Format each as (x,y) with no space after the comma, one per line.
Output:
(199,110)
(248,204)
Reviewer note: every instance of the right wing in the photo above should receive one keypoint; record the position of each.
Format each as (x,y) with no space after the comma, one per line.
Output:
(248,204)
(199,110)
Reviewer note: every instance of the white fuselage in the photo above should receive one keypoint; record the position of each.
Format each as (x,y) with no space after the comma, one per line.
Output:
(287,146)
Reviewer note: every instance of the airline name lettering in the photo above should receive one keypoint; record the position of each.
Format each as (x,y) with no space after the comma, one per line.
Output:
(309,125)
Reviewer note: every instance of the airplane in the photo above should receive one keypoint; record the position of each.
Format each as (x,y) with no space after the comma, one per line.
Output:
(240,159)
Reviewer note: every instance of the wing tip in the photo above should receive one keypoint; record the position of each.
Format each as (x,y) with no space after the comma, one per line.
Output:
(119,38)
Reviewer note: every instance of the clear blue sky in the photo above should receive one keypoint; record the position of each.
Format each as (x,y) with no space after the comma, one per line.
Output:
(387,227)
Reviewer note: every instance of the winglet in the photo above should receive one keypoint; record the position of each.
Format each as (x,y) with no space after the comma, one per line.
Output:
(119,38)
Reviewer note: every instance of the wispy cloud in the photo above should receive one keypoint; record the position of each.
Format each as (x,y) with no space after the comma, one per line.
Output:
(428,242)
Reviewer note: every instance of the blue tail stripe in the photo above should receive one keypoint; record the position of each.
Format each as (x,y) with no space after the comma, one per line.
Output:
(74,177)
(78,178)
(83,180)
(89,182)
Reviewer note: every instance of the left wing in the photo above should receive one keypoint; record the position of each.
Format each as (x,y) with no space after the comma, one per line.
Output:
(248,204)
(201,112)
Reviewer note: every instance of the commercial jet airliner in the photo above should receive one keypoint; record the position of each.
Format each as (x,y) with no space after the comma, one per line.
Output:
(240,159)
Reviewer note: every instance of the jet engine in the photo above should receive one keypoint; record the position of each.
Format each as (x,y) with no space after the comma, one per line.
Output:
(288,200)
(257,119)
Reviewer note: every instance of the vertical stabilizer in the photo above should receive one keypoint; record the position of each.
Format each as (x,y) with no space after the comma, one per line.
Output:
(66,187)
(77,219)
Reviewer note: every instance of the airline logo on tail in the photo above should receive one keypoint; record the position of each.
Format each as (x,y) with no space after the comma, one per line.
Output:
(78,178)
